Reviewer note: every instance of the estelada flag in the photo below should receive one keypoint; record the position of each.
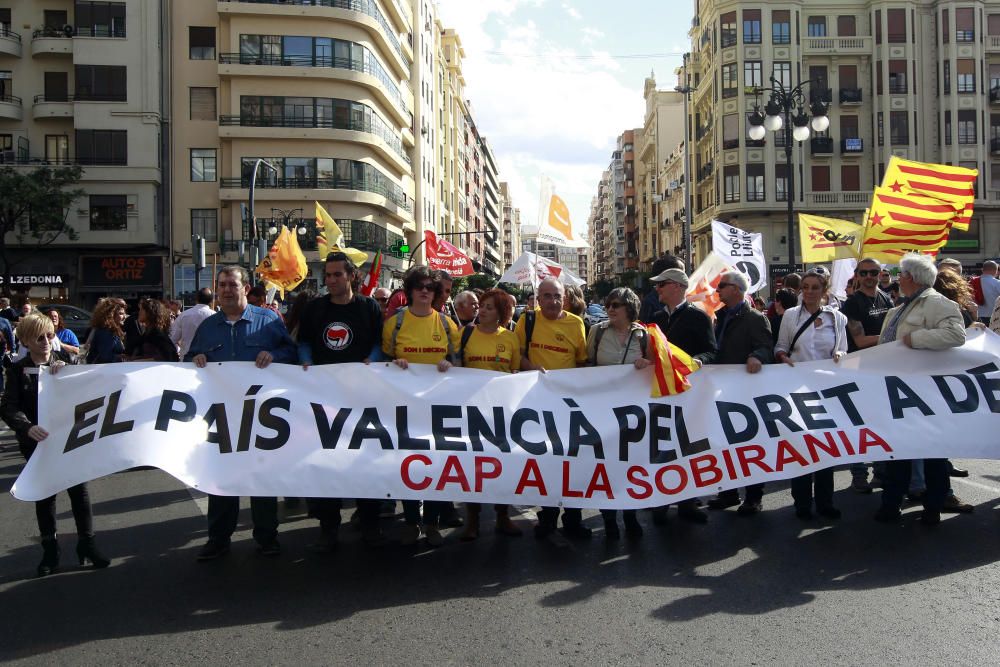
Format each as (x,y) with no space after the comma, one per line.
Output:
(371,280)
(442,255)
(826,239)
(330,238)
(907,221)
(285,266)
(951,184)
(671,365)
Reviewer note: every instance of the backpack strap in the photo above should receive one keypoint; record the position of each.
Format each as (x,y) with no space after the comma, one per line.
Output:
(466,335)
(447,335)
(601,328)
(529,328)
(400,314)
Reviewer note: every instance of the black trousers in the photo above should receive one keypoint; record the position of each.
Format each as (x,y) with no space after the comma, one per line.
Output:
(327,510)
(897,482)
(753,493)
(572,516)
(803,494)
(224,512)
(45,510)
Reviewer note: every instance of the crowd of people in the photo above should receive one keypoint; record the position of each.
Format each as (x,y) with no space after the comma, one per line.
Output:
(926,306)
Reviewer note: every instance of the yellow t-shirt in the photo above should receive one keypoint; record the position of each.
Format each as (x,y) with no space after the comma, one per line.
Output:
(555,344)
(421,340)
(498,351)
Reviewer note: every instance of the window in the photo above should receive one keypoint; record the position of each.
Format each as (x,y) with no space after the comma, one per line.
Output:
(751,26)
(995,176)
(781,182)
(727,29)
(848,75)
(755,183)
(105,147)
(205,223)
(847,26)
(4,20)
(781,31)
(783,74)
(753,74)
(820,178)
(880,128)
(966,68)
(56,148)
(730,131)
(201,42)
(203,165)
(101,83)
(203,104)
(945,29)
(849,127)
(731,183)
(896,18)
(816,26)
(100,19)
(899,128)
(897,77)
(967,127)
(53,19)
(850,177)
(108,213)
(946,77)
(729,80)
(6,85)
(965,25)
(947,127)
(6,143)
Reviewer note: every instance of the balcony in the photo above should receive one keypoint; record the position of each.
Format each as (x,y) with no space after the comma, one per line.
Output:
(897,87)
(850,96)
(992,43)
(841,46)
(994,145)
(820,95)
(852,146)
(10,42)
(821,146)
(53,106)
(756,143)
(116,31)
(394,195)
(994,95)
(833,199)
(51,41)
(10,107)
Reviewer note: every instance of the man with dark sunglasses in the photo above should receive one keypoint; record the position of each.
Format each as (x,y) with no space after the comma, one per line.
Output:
(866,308)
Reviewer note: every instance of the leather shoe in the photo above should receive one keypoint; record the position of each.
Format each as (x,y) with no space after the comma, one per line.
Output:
(955,505)
(692,514)
(958,472)
(749,509)
(577,531)
(212,550)
(723,502)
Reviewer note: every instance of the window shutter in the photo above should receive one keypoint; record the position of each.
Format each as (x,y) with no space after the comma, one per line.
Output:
(203,104)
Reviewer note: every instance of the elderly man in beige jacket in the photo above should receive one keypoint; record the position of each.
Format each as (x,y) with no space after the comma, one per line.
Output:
(926,320)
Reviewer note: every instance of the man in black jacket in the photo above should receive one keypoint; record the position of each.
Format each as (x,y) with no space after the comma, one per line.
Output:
(690,329)
(743,336)
(651,303)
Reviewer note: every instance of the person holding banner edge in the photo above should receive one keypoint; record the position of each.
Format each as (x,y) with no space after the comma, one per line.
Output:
(240,332)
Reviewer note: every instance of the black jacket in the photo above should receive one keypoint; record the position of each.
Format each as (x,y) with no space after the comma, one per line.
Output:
(690,329)
(747,334)
(155,345)
(19,403)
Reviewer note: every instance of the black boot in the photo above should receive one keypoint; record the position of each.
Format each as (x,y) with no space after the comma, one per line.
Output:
(87,550)
(50,559)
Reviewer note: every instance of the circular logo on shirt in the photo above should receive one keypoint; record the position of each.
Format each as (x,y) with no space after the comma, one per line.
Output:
(436,337)
(560,338)
(337,336)
(501,348)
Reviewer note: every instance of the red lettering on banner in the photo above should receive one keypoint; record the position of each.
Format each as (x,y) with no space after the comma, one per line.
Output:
(452,474)
(566,491)
(814,443)
(600,482)
(531,476)
(682,479)
(752,454)
(727,457)
(788,454)
(404,470)
(699,471)
(483,474)
(637,476)
(847,443)
(870,439)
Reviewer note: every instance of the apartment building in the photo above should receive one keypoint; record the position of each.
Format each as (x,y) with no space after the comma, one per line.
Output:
(80,83)
(917,79)
(510,227)
(671,207)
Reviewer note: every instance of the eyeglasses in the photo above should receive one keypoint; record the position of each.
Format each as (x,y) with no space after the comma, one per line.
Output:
(615,304)
(660,284)
(427,287)
(45,337)
(872,273)
(721,285)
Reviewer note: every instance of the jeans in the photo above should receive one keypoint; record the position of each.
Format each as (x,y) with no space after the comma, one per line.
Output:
(224,512)
(45,510)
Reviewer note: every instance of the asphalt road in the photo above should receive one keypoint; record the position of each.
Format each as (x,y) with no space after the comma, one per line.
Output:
(763,590)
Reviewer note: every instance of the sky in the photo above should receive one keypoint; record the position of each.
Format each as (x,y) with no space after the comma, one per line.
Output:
(554,82)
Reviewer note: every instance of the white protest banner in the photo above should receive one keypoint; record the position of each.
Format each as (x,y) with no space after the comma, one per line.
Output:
(744,251)
(589,437)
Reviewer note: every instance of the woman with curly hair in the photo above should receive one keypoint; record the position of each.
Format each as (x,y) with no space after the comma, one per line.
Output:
(107,339)
(955,287)
(67,339)
(154,343)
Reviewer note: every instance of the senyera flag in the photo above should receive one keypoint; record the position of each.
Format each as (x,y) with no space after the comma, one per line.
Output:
(371,280)
(443,255)
(671,365)
(955,185)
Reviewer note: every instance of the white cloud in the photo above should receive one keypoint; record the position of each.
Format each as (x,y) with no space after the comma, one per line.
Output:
(571,11)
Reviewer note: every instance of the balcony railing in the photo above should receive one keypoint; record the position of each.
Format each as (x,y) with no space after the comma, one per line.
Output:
(9,34)
(98,97)
(897,88)
(398,198)
(756,143)
(64,161)
(40,99)
(51,31)
(116,32)
(850,96)
(368,7)
(11,99)
(272,60)
(821,145)
(820,95)
(852,146)
(394,141)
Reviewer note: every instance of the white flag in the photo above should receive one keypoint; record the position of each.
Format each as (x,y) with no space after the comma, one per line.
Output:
(743,251)
(554,226)
(532,269)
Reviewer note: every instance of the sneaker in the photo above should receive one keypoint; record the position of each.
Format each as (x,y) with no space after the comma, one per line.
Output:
(954,505)
(271,548)
(749,509)
(213,550)
(723,502)
(577,531)
(433,536)
(409,534)
(861,485)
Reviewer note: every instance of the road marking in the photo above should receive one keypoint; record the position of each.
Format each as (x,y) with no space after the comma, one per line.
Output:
(200,499)
(984,487)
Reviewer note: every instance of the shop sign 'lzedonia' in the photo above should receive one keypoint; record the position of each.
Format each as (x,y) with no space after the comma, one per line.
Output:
(123,270)
(35,279)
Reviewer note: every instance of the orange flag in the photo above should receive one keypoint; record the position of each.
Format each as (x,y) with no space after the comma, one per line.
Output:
(285,266)
(671,365)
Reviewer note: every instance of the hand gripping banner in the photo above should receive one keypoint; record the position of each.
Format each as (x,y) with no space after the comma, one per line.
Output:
(589,437)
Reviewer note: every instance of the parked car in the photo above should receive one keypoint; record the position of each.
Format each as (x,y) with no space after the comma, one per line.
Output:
(75,319)
(595,313)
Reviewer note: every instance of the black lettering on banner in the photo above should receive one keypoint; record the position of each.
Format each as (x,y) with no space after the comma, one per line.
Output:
(782,412)
(370,427)
(583,434)
(687,447)
(81,421)
(627,434)
(968,404)
(403,439)
(447,438)
(246,419)
(803,403)
(902,397)
(480,429)
(989,386)
(734,436)
(517,422)
(843,394)
(267,419)
(659,432)
(553,433)
(216,416)
(167,413)
(329,432)
(109,426)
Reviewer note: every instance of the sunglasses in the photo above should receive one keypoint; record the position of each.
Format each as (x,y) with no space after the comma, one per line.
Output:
(45,337)
(615,304)
(721,285)
(872,273)
(427,287)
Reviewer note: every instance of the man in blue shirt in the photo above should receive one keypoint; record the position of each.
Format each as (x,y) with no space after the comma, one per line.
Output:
(240,332)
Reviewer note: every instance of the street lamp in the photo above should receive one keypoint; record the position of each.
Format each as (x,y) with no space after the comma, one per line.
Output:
(686,222)
(255,251)
(785,111)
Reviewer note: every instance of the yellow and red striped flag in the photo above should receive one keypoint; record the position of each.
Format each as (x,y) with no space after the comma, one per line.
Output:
(671,365)
(906,221)
(941,181)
